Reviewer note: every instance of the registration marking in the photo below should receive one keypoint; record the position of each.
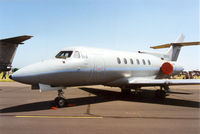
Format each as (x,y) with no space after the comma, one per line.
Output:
(63,117)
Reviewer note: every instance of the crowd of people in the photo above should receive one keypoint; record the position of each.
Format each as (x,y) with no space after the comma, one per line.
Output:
(187,75)
(5,74)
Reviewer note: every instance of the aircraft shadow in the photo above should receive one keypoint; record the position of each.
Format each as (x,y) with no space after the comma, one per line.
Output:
(101,96)
(147,96)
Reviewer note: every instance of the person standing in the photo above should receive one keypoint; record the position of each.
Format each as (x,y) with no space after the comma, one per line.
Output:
(4,75)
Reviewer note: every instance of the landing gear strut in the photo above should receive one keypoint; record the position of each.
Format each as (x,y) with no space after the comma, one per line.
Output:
(125,91)
(161,94)
(60,100)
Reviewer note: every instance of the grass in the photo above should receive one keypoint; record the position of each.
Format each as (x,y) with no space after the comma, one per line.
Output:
(5,80)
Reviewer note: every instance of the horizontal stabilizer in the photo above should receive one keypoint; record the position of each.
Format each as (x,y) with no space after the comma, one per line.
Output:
(176,44)
(16,40)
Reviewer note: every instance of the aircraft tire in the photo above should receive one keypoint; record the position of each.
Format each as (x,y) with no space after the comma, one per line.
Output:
(60,102)
(160,94)
(125,92)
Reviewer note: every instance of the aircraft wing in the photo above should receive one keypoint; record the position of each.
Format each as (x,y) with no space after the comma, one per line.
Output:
(8,49)
(153,82)
(158,82)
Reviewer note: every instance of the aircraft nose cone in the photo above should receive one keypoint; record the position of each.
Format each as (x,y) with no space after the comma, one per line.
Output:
(18,76)
(36,73)
(25,75)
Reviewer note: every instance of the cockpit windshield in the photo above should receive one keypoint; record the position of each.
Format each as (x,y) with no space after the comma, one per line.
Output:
(64,54)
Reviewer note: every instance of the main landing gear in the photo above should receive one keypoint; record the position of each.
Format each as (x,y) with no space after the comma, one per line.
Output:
(127,91)
(60,100)
(161,94)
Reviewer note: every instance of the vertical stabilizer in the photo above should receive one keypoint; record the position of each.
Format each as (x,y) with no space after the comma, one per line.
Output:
(174,50)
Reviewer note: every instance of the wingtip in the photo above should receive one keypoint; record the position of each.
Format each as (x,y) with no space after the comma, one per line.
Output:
(152,47)
(16,40)
(27,36)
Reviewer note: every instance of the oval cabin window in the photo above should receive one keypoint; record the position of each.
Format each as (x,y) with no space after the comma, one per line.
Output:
(149,62)
(125,61)
(118,60)
(131,60)
(138,62)
(144,62)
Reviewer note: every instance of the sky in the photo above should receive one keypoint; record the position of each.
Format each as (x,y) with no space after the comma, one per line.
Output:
(128,25)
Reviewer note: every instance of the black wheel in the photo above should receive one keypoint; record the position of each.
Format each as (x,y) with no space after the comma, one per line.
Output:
(60,102)
(138,94)
(126,92)
(160,94)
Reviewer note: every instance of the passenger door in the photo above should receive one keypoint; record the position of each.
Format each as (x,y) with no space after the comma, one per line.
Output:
(98,70)
(83,69)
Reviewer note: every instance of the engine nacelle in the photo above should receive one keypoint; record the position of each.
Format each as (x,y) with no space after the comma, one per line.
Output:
(169,68)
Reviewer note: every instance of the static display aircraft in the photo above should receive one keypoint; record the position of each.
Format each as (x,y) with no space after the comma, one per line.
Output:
(8,49)
(78,66)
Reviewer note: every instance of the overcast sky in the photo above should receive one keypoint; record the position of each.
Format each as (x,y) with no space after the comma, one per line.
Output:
(129,25)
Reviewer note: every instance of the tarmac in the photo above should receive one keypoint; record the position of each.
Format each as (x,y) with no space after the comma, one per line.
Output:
(98,110)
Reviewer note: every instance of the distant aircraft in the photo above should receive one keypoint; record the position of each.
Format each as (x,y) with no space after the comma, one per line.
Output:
(78,66)
(8,49)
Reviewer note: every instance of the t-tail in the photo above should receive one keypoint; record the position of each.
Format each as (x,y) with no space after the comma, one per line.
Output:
(174,48)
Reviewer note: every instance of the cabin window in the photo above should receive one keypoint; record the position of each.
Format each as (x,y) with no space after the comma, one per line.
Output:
(77,54)
(125,61)
(144,62)
(64,54)
(138,62)
(131,60)
(149,62)
(118,60)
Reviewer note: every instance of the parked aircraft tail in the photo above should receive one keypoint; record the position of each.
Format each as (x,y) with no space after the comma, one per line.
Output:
(174,50)
(7,50)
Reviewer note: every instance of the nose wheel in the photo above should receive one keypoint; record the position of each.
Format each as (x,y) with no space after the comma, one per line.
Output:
(60,100)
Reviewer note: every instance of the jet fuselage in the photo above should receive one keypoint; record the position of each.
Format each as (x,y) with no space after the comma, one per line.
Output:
(92,66)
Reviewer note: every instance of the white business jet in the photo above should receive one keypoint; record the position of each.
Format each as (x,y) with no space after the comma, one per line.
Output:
(78,66)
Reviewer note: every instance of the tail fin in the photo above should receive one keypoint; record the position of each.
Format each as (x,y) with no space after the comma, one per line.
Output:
(174,50)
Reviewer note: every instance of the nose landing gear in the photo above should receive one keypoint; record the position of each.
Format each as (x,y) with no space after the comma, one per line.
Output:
(60,100)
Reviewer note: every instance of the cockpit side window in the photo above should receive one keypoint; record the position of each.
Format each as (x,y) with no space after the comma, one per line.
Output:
(64,54)
(76,54)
